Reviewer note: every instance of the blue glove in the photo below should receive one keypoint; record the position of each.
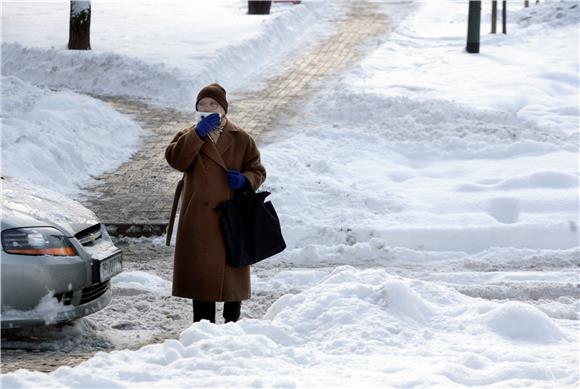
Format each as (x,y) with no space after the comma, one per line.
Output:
(236,180)
(207,124)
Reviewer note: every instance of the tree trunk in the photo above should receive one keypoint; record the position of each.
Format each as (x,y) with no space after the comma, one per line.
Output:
(493,16)
(79,36)
(504,16)
(259,7)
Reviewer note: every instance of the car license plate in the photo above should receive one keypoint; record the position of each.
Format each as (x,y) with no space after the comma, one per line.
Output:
(108,267)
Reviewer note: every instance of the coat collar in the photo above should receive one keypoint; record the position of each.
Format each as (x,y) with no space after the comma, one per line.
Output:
(231,126)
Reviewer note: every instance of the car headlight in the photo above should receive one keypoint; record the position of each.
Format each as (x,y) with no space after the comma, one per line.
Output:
(36,241)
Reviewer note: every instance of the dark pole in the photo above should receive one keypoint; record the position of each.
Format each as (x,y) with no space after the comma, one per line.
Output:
(493,16)
(526,3)
(504,16)
(259,7)
(473,25)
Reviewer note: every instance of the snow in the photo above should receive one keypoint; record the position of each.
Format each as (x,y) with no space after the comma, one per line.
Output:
(508,75)
(101,249)
(78,7)
(47,309)
(34,206)
(521,321)
(139,281)
(446,182)
(416,152)
(163,52)
(60,140)
(132,55)
(384,192)
(389,329)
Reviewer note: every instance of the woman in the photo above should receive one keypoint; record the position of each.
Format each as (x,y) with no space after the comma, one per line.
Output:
(217,158)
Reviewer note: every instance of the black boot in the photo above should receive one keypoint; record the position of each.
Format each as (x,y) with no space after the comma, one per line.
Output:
(203,310)
(232,310)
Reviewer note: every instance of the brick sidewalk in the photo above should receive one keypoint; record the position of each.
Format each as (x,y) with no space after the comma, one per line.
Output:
(136,199)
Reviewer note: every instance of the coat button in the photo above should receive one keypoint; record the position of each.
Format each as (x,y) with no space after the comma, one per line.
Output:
(206,203)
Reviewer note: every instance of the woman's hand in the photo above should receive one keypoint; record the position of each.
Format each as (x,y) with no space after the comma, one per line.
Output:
(207,124)
(236,180)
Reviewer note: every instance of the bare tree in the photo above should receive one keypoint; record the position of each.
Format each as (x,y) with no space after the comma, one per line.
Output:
(79,37)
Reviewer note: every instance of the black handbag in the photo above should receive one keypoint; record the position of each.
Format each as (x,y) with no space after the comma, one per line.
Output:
(250,227)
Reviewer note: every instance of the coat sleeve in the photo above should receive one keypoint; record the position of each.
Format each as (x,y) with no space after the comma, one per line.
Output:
(183,149)
(252,167)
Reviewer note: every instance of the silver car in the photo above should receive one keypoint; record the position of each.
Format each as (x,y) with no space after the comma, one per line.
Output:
(57,259)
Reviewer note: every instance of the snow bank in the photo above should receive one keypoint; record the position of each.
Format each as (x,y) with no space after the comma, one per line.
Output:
(414,152)
(523,322)
(59,140)
(288,280)
(528,72)
(98,73)
(354,328)
(158,51)
(551,13)
(385,194)
(433,127)
(140,281)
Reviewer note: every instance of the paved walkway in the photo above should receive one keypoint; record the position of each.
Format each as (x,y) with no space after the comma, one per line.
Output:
(136,199)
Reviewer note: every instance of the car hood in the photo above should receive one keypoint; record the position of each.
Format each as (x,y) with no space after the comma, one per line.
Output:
(27,205)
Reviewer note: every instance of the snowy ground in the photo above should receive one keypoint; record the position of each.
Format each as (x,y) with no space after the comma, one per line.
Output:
(42,81)
(432,227)
(38,124)
(162,52)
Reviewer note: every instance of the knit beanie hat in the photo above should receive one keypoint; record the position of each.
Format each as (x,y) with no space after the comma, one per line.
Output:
(216,92)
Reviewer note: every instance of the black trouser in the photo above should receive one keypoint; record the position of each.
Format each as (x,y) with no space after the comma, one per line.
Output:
(206,310)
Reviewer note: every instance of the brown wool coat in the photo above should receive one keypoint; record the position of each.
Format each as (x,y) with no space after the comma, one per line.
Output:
(200,271)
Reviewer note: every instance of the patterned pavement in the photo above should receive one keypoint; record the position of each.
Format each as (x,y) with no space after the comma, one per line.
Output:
(136,199)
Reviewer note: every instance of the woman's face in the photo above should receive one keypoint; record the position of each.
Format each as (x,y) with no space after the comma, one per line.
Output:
(207,104)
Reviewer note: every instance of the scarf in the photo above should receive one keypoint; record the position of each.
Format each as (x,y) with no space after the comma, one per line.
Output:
(214,134)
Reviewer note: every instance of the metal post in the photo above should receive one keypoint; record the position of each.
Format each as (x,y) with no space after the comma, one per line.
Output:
(473,27)
(504,16)
(493,16)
